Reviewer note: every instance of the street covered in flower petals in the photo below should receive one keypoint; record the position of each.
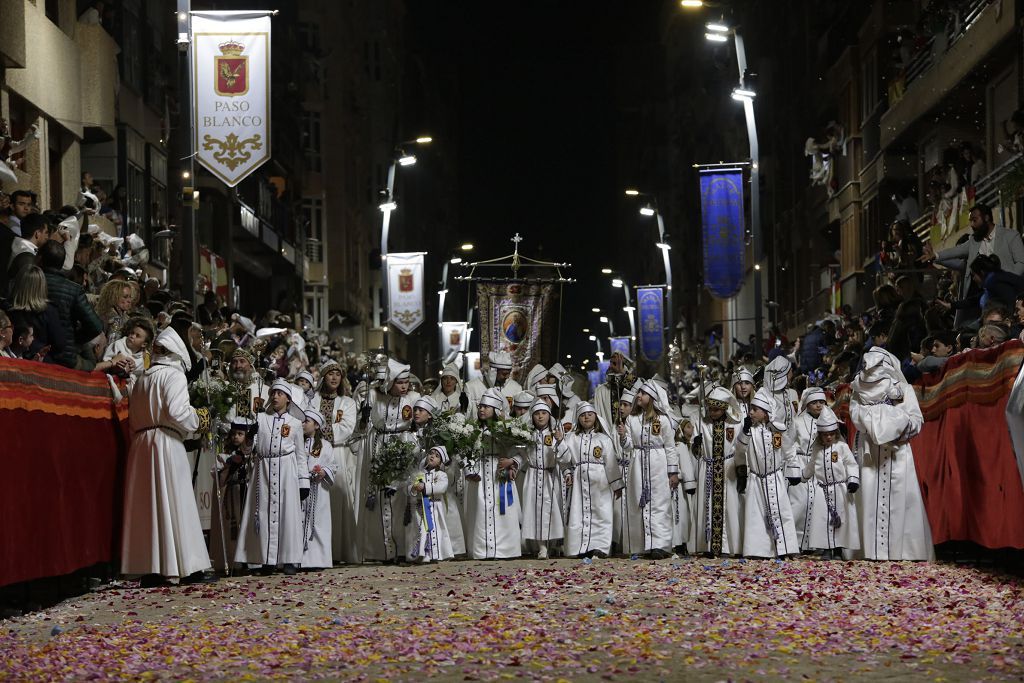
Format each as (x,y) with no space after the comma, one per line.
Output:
(561,619)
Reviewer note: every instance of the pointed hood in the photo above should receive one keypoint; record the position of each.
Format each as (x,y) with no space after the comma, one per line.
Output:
(171,342)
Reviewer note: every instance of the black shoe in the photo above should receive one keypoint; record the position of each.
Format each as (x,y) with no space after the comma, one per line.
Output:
(199,577)
(600,554)
(153,581)
(290,570)
(659,554)
(267,570)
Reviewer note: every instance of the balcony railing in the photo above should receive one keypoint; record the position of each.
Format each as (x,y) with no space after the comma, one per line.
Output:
(926,58)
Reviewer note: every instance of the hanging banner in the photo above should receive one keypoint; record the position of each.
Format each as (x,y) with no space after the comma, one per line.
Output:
(231,93)
(453,340)
(473,369)
(721,208)
(521,318)
(620,345)
(652,322)
(213,273)
(405,291)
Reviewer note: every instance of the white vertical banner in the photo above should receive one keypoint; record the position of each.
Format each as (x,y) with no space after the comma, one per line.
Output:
(405,291)
(231,92)
(473,369)
(453,340)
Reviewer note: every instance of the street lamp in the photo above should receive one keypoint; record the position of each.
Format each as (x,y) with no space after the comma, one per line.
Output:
(628,308)
(719,32)
(387,206)
(651,209)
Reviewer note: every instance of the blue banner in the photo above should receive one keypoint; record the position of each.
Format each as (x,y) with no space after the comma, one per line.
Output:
(652,322)
(620,344)
(721,208)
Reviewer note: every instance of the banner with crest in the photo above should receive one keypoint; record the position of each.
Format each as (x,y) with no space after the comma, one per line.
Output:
(231,93)
(454,340)
(521,318)
(405,291)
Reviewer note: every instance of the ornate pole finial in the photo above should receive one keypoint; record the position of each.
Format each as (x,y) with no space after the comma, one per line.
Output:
(515,255)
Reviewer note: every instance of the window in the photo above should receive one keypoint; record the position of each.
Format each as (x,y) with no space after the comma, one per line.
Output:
(53,11)
(311,140)
(313,214)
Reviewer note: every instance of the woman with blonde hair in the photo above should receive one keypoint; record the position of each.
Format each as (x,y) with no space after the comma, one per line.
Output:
(117,299)
(30,305)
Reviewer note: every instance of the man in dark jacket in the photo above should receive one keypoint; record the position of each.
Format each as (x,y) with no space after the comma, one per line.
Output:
(80,322)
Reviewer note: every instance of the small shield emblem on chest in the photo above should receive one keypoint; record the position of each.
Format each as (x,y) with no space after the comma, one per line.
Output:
(597,453)
(257,404)
(835,457)
(286,430)
(730,432)
(547,440)
(338,415)
(776,440)
(656,427)
(406,412)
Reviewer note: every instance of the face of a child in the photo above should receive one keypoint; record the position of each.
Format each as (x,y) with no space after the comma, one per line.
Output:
(237,437)
(518,411)
(484,412)
(827,438)
(625,408)
(688,428)
(814,408)
(448,384)
(136,339)
(588,420)
(758,415)
(420,417)
(308,427)
(643,400)
(541,419)
(743,389)
(278,400)
(304,383)
(400,387)
(26,339)
(433,460)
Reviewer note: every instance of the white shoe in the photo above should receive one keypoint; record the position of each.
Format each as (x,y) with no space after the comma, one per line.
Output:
(542,554)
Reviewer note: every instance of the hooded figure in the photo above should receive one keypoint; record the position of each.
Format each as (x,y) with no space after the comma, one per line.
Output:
(537,373)
(493,509)
(271,531)
(390,418)
(743,378)
(426,534)
(161,532)
(542,490)
(803,435)
(449,396)
(317,527)
(588,455)
(498,376)
(567,399)
(717,506)
(776,381)
(340,413)
(893,521)
(648,442)
(833,472)
(763,454)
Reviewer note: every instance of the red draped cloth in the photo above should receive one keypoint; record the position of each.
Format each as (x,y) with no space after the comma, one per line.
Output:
(62,460)
(964,456)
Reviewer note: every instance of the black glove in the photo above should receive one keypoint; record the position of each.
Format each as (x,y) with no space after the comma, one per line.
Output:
(741,478)
(746,425)
(303,494)
(692,491)
(364,414)
(463,402)
(793,481)
(697,441)
(852,486)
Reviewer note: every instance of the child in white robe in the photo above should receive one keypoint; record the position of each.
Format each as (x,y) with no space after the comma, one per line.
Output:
(427,538)
(763,453)
(323,469)
(833,471)
(588,453)
(542,486)
(803,435)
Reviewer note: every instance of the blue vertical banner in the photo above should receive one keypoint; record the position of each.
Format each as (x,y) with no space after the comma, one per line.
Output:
(721,208)
(620,344)
(650,302)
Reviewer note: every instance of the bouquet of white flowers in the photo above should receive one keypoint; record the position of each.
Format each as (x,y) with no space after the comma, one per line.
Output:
(391,462)
(457,434)
(214,394)
(511,431)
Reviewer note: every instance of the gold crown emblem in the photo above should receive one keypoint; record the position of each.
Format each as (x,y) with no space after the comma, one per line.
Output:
(405,271)
(231,48)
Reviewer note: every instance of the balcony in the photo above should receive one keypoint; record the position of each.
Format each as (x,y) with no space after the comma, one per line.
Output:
(931,75)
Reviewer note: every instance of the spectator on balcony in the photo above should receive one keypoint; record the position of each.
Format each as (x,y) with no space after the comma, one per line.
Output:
(117,300)
(22,204)
(988,239)
(940,347)
(1014,133)
(908,326)
(30,306)
(6,337)
(907,209)
(24,249)
(76,313)
(208,312)
(903,248)
(991,335)
(971,166)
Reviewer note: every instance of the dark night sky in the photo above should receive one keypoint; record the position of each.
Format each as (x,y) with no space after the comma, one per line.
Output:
(536,146)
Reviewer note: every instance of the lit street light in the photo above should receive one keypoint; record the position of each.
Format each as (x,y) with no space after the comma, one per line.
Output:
(628,308)
(651,209)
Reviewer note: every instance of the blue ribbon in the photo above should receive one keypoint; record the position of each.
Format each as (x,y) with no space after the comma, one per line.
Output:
(428,512)
(504,489)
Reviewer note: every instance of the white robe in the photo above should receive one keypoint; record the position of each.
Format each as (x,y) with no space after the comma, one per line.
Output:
(450,403)
(708,491)
(650,448)
(893,521)
(492,527)
(830,469)
(271,531)
(161,533)
(317,522)
(542,489)
(590,457)
(341,414)
(475,389)
(804,435)
(426,536)
(382,527)
(768,528)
